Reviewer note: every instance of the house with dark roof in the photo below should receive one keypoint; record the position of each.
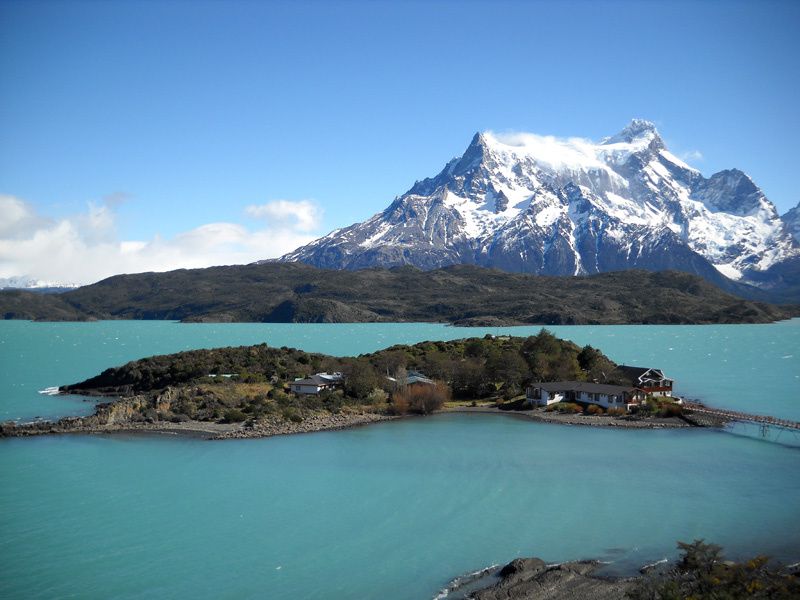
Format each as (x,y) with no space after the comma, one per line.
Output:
(412,378)
(602,394)
(651,381)
(316,383)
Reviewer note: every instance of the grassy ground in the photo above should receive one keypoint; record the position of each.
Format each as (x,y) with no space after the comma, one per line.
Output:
(463,403)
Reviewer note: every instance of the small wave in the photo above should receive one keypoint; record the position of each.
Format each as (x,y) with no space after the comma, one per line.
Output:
(788,356)
(49,391)
(463,580)
(653,565)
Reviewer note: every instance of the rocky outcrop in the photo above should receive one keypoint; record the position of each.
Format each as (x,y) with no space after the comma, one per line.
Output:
(533,579)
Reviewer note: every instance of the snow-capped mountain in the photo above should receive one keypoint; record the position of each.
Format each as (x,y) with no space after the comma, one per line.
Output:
(791,221)
(539,204)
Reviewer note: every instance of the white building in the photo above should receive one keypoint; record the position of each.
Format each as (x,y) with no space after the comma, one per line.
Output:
(316,383)
(607,396)
(651,381)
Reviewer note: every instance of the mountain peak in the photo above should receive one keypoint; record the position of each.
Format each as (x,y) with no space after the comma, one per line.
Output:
(637,130)
(479,139)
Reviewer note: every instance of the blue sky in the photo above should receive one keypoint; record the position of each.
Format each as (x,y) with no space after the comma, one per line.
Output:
(151,126)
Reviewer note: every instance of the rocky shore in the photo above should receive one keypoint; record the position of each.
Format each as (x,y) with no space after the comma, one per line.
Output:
(542,416)
(701,571)
(120,417)
(115,417)
(533,579)
(319,422)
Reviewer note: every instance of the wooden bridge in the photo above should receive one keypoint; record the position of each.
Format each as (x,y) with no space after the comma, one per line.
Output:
(725,416)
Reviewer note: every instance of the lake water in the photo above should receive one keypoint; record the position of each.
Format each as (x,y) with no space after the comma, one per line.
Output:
(392,510)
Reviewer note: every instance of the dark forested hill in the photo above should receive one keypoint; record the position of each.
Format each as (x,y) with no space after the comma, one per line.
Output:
(464,295)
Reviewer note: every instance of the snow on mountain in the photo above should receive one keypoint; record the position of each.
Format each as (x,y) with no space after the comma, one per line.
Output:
(26,283)
(791,222)
(541,204)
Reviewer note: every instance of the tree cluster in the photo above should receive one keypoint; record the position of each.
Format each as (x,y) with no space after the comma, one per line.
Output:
(473,368)
(704,574)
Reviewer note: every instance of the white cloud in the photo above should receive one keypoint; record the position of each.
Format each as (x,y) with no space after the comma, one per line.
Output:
(304,214)
(692,155)
(86,247)
(17,220)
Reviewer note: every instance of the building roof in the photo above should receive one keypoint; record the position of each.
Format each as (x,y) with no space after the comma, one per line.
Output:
(417,377)
(584,386)
(635,373)
(313,380)
(331,377)
(413,377)
(320,379)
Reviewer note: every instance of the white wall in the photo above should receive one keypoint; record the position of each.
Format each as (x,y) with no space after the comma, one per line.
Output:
(547,399)
(304,389)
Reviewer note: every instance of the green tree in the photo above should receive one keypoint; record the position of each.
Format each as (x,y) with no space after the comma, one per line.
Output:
(361,378)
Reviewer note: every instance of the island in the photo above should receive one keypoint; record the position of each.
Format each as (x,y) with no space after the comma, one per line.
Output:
(259,391)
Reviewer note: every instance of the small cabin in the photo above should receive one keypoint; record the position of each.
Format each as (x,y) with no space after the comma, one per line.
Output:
(316,383)
(412,378)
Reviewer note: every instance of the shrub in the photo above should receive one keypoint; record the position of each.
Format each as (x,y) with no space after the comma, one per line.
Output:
(332,400)
(421,399)
(704,574)
(310,401)
(377,396)
(292,414)
(616,411)
(246,376)
(400,404)
(233,415)
(568,407)
(594,409)
(282,398)
(670,409)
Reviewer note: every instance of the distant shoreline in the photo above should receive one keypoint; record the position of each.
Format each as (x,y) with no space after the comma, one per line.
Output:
(465,295)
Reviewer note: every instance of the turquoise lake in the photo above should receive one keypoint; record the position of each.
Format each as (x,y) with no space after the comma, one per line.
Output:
(393,510)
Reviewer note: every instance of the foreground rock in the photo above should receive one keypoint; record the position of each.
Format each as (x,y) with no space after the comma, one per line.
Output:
(532,578)
(702,572)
